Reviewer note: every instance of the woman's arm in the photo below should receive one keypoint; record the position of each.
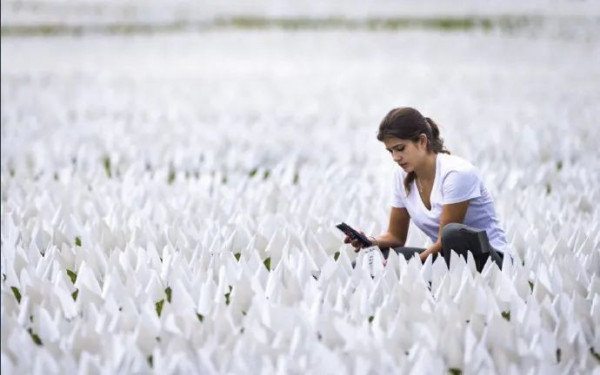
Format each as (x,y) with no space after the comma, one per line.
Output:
(397,229)
(451,213)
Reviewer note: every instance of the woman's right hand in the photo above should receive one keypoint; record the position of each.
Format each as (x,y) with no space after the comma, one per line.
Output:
(354,242)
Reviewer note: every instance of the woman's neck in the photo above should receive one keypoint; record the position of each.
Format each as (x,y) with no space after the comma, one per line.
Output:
(426,171)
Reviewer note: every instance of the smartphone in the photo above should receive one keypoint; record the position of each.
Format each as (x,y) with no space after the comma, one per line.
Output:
(354,234)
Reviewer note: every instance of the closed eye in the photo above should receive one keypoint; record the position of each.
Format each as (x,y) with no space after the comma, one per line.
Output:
(396,148)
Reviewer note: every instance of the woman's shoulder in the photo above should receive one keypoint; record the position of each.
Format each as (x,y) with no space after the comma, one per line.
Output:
(452,163)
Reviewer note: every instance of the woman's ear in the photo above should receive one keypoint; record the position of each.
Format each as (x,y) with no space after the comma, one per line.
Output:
(423,140)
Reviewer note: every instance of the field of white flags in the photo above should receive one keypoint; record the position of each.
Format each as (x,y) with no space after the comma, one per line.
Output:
(169,201)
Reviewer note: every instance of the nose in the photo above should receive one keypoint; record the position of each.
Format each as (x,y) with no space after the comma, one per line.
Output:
(396,156)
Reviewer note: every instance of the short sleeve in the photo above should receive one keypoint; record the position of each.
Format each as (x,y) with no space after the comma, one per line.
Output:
(460,186)
(398,194)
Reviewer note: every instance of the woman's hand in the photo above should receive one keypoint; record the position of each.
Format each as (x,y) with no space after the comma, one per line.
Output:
(356,244)
(431,250)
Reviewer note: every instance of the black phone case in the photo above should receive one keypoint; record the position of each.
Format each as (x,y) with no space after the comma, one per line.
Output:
(352,233)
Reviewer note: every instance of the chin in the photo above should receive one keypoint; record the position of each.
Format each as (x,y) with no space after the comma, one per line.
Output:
(406,168)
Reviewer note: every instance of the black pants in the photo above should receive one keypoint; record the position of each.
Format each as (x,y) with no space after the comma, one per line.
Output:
(460,238)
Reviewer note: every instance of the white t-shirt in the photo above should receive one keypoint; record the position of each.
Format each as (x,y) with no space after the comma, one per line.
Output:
(456,180)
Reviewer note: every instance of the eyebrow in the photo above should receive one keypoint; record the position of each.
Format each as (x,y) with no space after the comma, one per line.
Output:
(395,146)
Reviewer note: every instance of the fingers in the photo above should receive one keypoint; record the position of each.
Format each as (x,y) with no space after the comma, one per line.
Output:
(354,242)
(357,245)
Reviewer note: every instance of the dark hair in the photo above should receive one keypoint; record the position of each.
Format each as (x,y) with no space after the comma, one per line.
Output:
(408,123)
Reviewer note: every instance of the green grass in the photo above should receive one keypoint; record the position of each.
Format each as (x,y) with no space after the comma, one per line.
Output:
(267,263)
(17,293)
(105,161)
(168,292)
(228,295)
(159,306)
(72,275)
(36,339)
(171,176)
(445,23)
(373,23)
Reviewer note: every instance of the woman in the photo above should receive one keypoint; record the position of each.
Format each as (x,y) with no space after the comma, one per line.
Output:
(443,194)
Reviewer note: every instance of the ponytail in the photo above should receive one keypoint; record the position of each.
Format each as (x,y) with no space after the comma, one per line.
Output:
(435,143)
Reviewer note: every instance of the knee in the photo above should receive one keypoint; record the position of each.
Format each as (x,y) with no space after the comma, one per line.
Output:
(450,231)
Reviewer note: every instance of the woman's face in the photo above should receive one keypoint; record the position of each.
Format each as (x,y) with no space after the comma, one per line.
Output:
(406,153)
